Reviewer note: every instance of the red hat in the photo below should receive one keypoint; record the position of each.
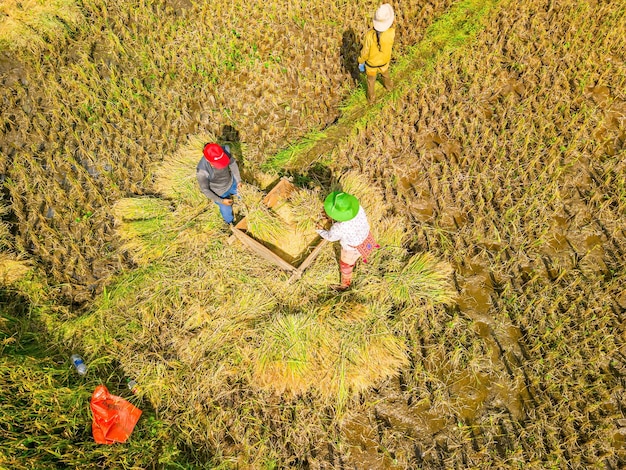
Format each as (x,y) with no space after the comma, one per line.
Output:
(216,156)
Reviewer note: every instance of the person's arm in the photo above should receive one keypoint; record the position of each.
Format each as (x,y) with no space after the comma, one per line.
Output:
(332,235)
(365,51)
(203,180)
(234,170)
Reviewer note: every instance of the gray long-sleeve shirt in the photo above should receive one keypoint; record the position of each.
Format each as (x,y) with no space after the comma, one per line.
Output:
(213,182)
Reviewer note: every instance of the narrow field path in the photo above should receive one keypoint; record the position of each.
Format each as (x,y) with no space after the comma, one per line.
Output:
(449,32)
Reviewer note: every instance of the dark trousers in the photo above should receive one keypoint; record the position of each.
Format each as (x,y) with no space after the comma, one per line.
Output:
(227,211)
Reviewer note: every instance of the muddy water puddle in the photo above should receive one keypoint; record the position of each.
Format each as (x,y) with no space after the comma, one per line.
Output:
(568,249)
(412,420)
(438,147)
(412,186)
(425,421)
(612,131)
(470,392)
(475,298)
(365,451)
(363,432)
(452,218)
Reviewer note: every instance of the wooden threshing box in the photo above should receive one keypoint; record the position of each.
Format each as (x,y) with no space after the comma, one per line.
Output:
(282,254)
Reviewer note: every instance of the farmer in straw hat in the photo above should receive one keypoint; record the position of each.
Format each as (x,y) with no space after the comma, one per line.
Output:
(218,177)
(376,51)
(351,230)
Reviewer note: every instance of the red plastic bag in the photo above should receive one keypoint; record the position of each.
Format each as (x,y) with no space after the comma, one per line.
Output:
(113,417)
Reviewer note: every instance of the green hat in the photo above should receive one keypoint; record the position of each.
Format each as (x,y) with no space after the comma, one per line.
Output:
(341,206)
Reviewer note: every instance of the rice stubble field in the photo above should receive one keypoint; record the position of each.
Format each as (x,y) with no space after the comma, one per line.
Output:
(487,333)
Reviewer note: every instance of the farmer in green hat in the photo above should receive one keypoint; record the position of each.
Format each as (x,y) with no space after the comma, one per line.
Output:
(351,229)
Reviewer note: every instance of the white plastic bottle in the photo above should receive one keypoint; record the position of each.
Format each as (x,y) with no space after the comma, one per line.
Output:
(79,364)
(133,386)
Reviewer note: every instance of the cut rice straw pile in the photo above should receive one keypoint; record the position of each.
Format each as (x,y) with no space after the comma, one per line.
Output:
(175,177)
(32,23)
(141,225)
(306,209)
(263,222)
(12,269)
(420,279)
(338,357)
(225,313)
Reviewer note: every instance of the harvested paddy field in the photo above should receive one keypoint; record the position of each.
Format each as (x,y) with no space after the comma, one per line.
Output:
(488,330)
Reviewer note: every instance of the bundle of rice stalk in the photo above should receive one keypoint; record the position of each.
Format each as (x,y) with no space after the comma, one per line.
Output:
(337,358)
(364,353)
(287,360)
(133,209)
(370,197)
(388,258)
(25,23)
(390,231)
(307,209)
(423,278)
(263,222)
(380,355)
(11,269)
(145,240)
(175,177)
(346,310)
(250,196)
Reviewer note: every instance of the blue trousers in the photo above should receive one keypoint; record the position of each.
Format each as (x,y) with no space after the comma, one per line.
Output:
(227,211)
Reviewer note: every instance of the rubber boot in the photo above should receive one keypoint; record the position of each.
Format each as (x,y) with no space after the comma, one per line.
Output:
(346,275)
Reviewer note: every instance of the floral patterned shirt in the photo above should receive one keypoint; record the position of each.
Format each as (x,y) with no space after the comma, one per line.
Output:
(350,233)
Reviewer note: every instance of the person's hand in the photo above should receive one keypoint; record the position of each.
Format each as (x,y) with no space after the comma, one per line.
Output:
(321,224)
(361,67)
(239,185)
(227,202)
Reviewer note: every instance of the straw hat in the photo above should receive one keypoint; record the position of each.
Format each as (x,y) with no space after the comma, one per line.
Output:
(216,156)
(341,206)
(383,18)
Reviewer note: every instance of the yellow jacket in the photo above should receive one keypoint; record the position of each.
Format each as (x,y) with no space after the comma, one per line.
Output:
(377,60)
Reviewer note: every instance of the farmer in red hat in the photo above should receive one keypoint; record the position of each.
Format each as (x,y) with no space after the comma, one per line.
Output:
(376,52)
(351,230)
(219,178)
